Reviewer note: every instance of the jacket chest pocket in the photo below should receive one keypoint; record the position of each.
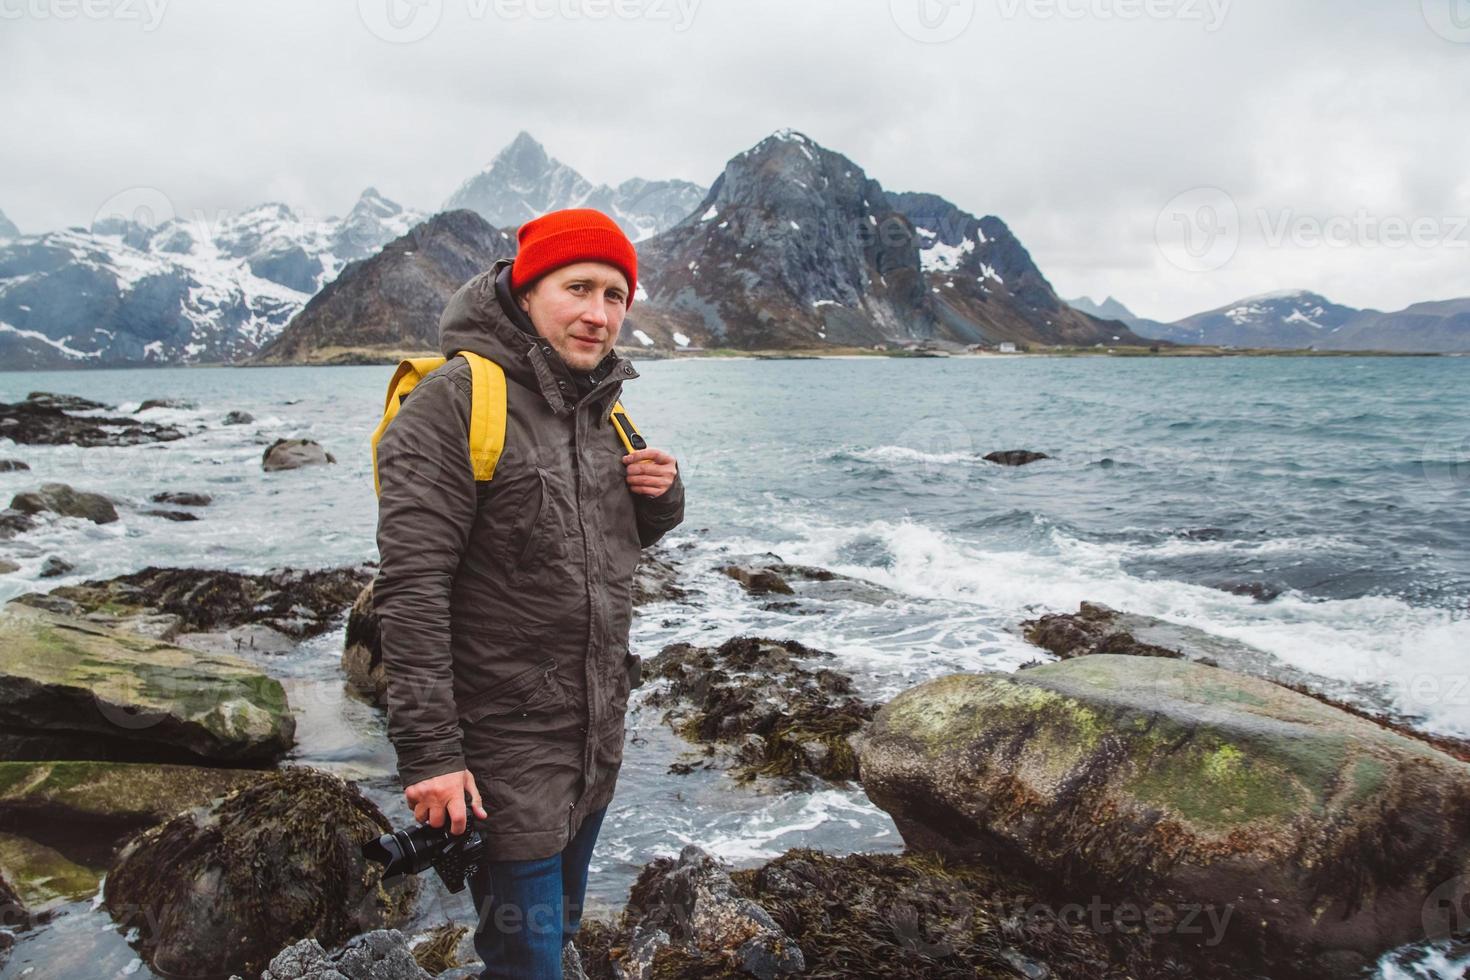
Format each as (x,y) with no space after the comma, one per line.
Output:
(538,534)
(534,690)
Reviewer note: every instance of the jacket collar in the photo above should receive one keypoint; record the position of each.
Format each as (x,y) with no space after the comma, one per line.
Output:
(476,320)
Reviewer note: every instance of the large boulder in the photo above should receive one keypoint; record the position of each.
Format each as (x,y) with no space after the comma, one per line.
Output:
(42,877)
(227,888)
(290,454)
(72,689)
(62,500)
(106,797)
(184,498)
(1321,832)
(69,818)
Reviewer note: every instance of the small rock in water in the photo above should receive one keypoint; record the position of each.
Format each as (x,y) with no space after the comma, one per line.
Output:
(12,465)
(63,500)
(239,418)
(290,454)
(65,403)
(1015,457)
(183,498)
(53,567)
(171,515)
(13,522)
(758,581)
(164,403)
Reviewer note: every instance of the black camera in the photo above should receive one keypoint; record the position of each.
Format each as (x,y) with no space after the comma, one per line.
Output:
(410,851)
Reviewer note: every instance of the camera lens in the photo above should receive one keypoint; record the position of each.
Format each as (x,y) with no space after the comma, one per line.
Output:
(405,851)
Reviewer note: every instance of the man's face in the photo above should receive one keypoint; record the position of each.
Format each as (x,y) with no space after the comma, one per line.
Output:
(579,309)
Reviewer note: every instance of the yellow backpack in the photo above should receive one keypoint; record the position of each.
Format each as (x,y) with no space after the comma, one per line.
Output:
(487,411)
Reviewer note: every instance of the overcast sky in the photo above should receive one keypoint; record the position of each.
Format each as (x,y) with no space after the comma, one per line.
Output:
(1177,154)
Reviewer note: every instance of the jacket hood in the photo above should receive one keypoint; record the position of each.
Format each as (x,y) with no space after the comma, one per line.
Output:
(474,319)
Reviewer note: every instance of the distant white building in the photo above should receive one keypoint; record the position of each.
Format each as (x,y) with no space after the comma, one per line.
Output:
(1007,348)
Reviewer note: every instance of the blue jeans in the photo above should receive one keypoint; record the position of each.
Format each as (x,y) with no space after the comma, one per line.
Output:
(531,908)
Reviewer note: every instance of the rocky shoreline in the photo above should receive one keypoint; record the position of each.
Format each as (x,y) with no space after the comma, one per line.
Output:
(1140,807)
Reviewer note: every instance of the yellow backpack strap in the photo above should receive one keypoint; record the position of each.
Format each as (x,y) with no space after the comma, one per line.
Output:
(487,414)
(407,376)
(626,430)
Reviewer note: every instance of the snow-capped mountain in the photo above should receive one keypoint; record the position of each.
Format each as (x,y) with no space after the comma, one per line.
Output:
(796,246)
(1288,318)
(523,182)
(387,306)
(7,227)
(984,285)
(179,292)
(1298,319)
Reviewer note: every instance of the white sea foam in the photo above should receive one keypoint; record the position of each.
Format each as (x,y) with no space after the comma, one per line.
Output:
(1413,657)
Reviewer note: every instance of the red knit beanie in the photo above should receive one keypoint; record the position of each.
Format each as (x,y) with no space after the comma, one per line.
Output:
(572,235)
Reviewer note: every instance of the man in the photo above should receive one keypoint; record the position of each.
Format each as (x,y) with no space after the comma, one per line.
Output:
(504,605)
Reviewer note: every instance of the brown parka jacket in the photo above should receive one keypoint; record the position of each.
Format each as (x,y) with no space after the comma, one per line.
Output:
(504,605)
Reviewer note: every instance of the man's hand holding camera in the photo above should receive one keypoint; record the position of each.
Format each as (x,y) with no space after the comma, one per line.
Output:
(433,799)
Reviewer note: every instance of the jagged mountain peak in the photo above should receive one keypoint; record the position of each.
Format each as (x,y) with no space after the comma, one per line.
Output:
(523,181)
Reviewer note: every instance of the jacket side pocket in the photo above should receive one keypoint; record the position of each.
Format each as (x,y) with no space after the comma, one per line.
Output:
(536,688)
